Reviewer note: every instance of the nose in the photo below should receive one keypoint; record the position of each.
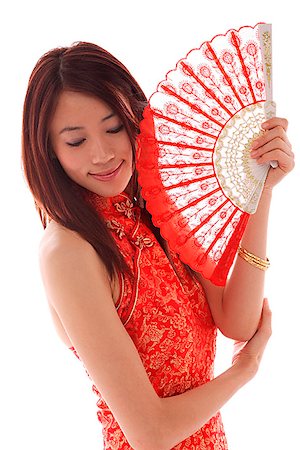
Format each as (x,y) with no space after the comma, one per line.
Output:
(101,153)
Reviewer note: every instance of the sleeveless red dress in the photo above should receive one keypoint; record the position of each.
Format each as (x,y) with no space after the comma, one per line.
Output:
(167,316)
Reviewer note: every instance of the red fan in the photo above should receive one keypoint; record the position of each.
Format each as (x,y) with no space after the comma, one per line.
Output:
(196,173)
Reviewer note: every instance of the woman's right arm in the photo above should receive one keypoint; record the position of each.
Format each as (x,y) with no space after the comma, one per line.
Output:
(78,287)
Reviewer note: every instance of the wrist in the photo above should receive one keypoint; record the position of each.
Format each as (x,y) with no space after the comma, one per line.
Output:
(244,369)
(267,192)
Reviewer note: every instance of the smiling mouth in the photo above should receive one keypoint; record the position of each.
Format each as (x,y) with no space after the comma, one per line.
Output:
(107,173)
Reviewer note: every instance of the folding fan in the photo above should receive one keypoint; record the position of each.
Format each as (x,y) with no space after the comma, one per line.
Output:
(198,179)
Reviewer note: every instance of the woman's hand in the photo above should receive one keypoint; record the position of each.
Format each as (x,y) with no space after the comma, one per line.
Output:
(272,145)
(247,355)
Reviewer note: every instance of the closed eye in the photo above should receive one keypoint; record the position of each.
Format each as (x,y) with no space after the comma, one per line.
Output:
(76,144)
(116,130)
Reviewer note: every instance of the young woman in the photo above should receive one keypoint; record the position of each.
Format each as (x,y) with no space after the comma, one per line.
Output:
(142,323)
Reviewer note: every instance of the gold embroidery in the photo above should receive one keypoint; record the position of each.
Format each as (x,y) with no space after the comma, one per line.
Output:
(241,183)
(143,242)
(169,322)
(268,54)
(136,287)
(117,227)
(126,208)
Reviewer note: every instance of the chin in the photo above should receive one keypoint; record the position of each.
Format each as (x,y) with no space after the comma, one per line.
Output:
(111,190)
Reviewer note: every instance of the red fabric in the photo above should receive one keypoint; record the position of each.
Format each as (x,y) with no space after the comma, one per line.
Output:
(168,318)
(209,246)
(181,159)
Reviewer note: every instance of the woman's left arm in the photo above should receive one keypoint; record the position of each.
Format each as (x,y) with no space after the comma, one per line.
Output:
(237,307)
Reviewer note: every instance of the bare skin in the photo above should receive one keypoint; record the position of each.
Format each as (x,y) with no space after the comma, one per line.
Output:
(236,308)
(83,299)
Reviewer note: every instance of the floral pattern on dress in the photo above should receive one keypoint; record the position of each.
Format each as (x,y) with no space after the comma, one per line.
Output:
(167,316)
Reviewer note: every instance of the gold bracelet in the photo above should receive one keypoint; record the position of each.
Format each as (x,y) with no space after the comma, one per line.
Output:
(262,264)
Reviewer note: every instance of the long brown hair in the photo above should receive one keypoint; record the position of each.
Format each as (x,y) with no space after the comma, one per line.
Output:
(88,68)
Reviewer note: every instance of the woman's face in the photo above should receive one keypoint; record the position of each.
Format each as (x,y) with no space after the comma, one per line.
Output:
(91,144)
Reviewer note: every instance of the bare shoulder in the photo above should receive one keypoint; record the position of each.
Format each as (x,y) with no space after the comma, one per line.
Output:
(60,241)
(67,262)
(66,249)
(78,287)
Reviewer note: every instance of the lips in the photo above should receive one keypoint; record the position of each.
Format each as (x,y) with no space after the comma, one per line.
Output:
(107,174)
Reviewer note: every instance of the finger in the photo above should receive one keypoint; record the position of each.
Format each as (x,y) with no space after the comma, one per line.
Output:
(285,162)
(274,122)
(275,144)
(278,152)
(275,133)
(238,346)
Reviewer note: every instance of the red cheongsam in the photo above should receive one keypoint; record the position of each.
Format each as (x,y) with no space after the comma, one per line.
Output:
(167,316)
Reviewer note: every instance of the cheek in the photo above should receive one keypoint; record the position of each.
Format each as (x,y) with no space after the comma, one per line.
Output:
(70,159)
(72,164)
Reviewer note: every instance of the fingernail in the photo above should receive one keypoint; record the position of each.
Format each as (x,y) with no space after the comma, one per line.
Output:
(265,125)
(253,154)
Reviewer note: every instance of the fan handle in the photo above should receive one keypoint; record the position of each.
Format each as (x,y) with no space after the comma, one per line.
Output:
(265,38)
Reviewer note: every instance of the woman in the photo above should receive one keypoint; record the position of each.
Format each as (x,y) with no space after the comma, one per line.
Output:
(143,324)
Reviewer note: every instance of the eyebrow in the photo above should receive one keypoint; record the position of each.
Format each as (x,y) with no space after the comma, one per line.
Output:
(81,128)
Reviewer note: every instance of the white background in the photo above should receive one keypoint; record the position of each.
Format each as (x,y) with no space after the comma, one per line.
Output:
(46,401)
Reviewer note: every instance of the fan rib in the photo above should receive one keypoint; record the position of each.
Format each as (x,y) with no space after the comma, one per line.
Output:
(221,230)
(182,124)
(181,145)
(197,178)
(183,166)
(227,77)
(199,199)
(188,182)
(207,89)
(193,203)
(236,44)
(191,105)
(207,219)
